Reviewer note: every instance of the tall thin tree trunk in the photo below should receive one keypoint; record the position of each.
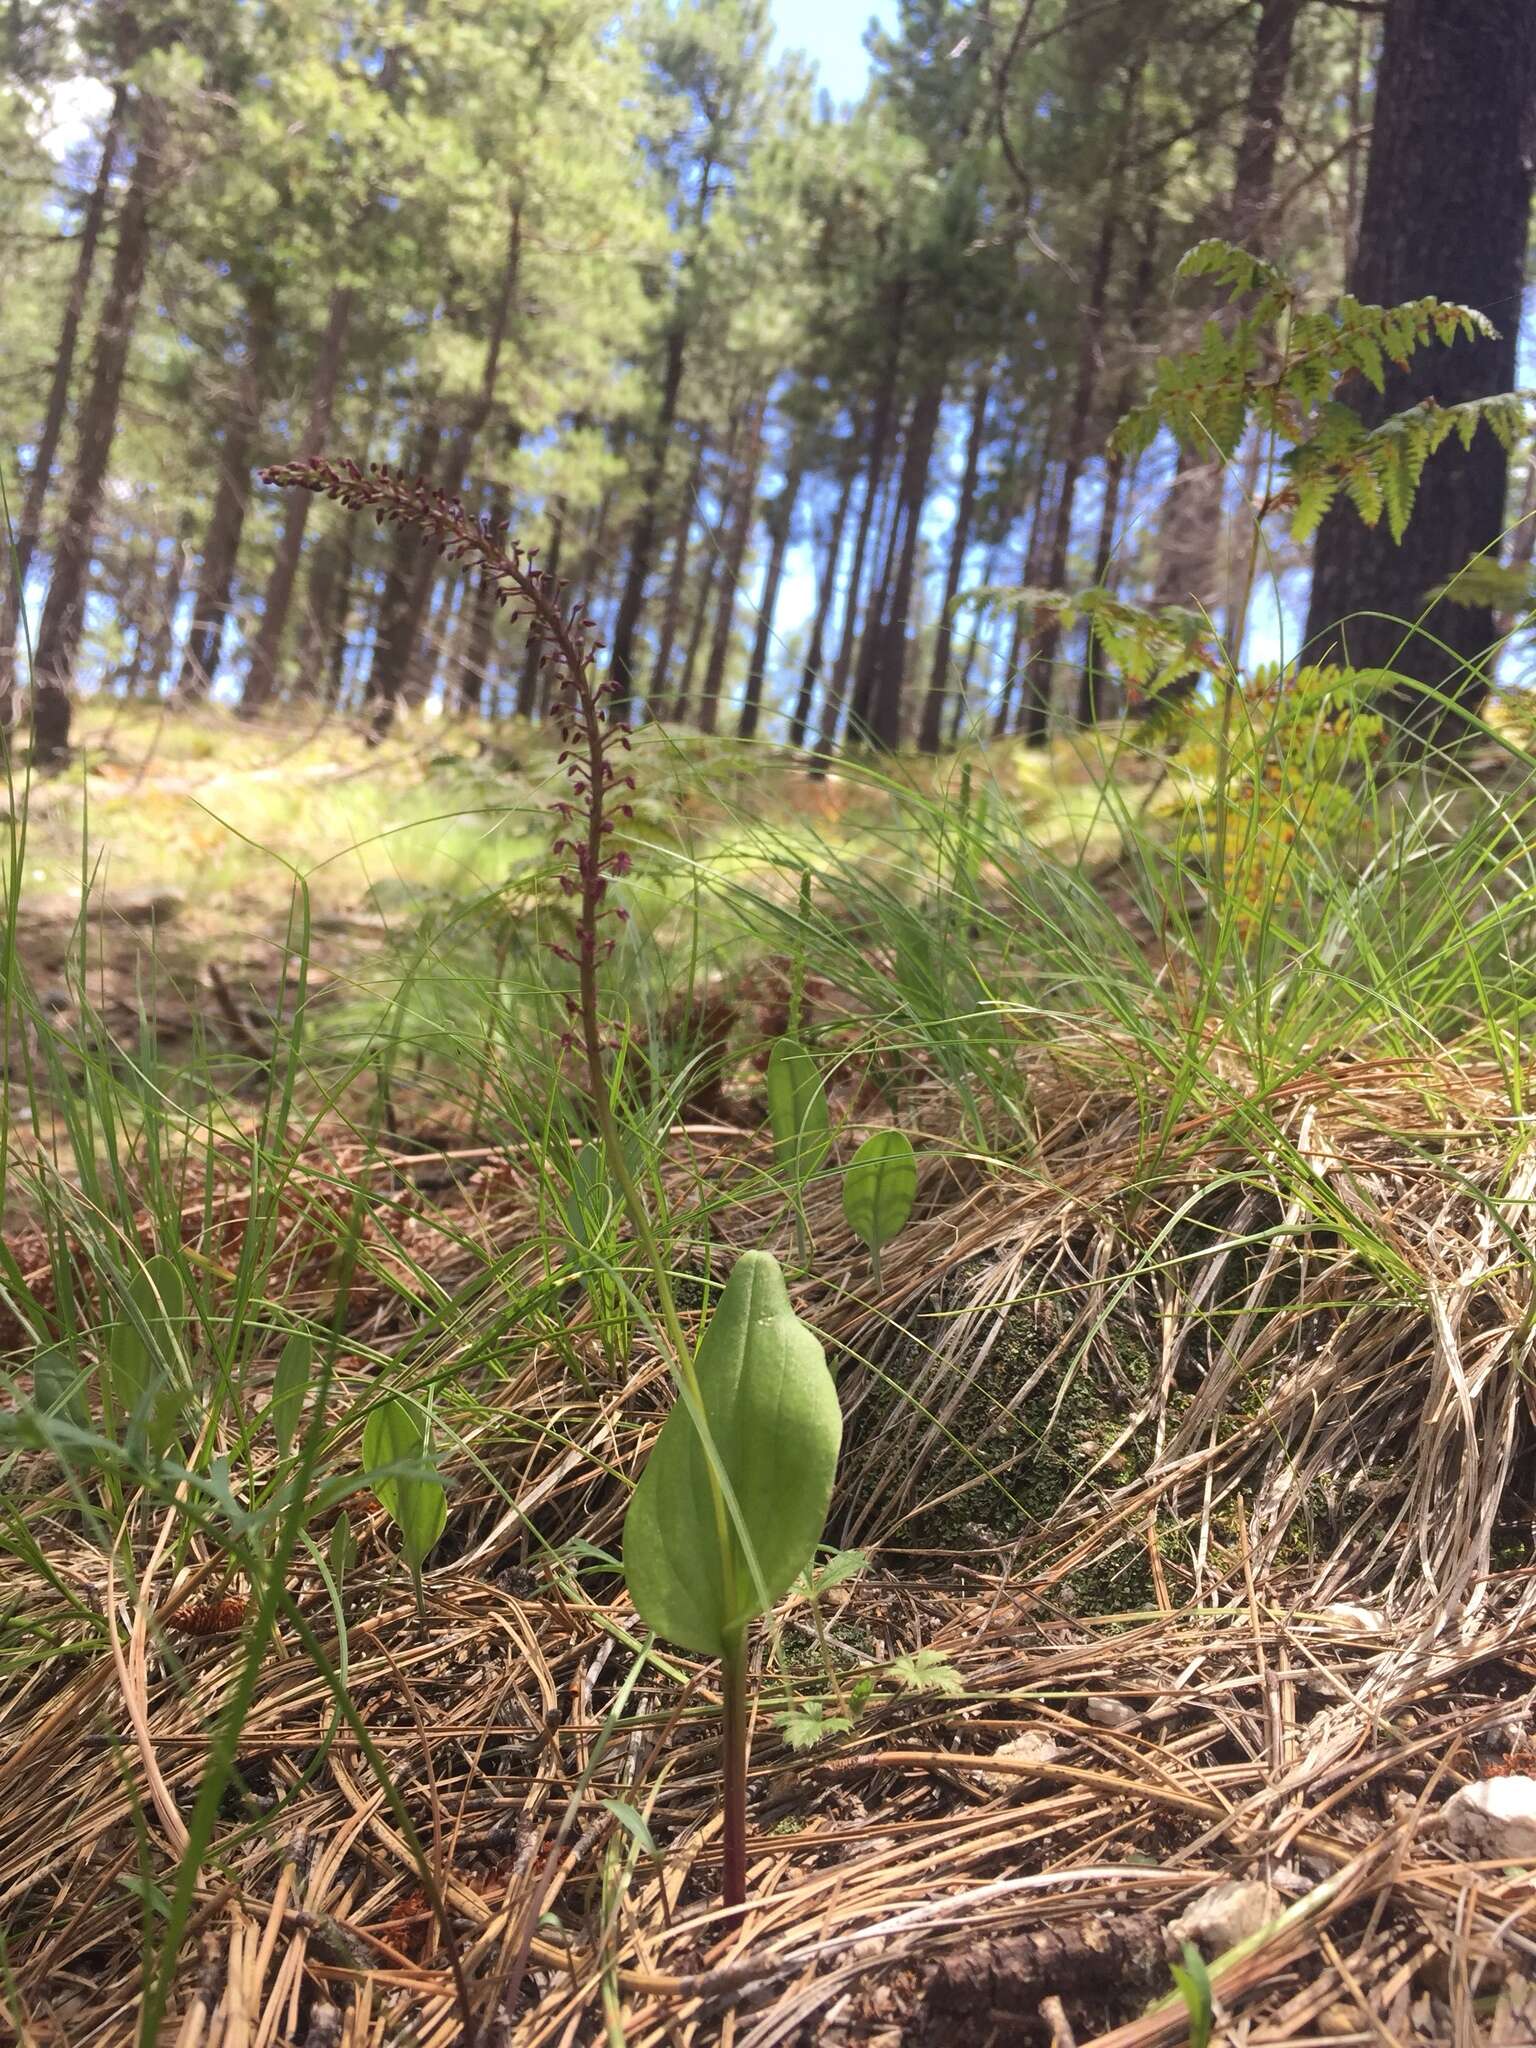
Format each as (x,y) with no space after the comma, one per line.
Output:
(677,573)
(883,570)
(779,520)
(340,611)
(226,521)
(1446,214)
(63,621)
(1190,530)
(696,630)
(404,677)
(959,541)
(1047,630)
(261,676)
(735,557)
(1093,691)
(1037,505)
(55,412)
(529,696)
(475,671)
(398,605)
(826,592)
(621,658)
(891,667)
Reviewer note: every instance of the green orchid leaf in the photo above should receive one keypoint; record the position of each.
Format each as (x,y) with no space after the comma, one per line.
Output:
(797,1111)
(879,1187)
(775,1429)
(288,1384)
(395,1435)
(56,1387)
(144,1355)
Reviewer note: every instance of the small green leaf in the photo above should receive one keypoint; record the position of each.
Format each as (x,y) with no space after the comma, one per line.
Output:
(288,1384)
(880,1187)
(809,1723)
(1194,1986)
(775,1429)
(926,1671)
(839,1567)
(797,1111)
(144,1354)
(343,1547)
(633,1823)
(394,1435)
(56,1387)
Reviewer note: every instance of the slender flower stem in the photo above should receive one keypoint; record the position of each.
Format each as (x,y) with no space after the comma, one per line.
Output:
(588,738)
(733,1775)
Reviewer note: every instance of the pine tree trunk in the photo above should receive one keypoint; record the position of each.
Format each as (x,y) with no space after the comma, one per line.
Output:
(779,520)
(677,573)
(1037,504)
(883,574)
(261,676)
(530,698)
(621,659)
(891,666)
(1094,689)
(339,612)
(56,411)
(1190,532)
(881,420)
(399,606)
(63,621)
(475,670)
(1039,673)
(221,547)
(959,541)
(735,557)
(1446,213)
(824,596)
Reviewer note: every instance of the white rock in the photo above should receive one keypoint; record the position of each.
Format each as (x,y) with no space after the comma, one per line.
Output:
(1105,1712)
(1494,1821)
(1225,1915)
(1034,1746)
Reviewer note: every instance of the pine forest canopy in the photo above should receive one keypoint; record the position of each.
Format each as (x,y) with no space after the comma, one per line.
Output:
(780,386)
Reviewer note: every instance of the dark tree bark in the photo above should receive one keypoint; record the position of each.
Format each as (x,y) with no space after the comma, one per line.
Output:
(261,676)
(530,698)
(1446,213)
(63,621)
(56,410)
(696,630)
(731,567)
(643,547)
(334,624)
(959,540)
(780,515)
(1037,504)
(1094,690)
(891,667)
(1190,530)
(882,580)
(226,521)
(882,417)
(860,601)
(1047,630)
(825,593)
(677,576)
(398,606)
(475,670)
(407,672)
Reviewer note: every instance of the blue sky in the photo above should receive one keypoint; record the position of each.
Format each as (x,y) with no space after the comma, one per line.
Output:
(832,33)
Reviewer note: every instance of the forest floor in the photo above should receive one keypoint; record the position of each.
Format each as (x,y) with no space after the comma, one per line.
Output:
(1179,1581)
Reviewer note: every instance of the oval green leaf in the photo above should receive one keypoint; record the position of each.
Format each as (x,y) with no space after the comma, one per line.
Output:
(418,1506)
(775,1428)
(797,1111)
(288,1384)
(880,1187)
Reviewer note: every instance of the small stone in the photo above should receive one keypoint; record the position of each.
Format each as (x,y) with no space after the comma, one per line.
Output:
(1034,1746)
(1106,1712)
(1223,1916)
(1494,1821)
